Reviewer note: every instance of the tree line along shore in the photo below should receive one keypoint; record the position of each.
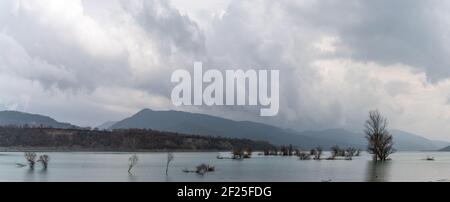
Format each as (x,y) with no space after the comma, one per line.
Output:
(14,138)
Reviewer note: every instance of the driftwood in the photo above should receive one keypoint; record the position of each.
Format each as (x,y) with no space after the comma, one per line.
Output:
(201,169)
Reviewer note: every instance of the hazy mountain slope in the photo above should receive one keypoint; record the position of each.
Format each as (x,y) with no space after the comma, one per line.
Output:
(106,125)
(446,149)
(201,124)
(403,141)
(184,122)
(20,119)
(441,144)
(412,142)
(341,137)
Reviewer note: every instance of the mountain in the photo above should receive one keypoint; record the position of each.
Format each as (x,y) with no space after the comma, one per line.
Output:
(446,149)
(403,141)
(408,141)
(338,136)
(16,118)
(201,124)
(106,125)
(441,144)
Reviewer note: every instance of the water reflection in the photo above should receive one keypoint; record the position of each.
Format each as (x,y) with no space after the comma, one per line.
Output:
(406,166)
(29,175)
(168,179)
(378,171)
(132,177)
(43,174)
(32,175)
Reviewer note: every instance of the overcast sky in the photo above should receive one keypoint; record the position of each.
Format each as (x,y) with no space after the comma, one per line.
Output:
(88,62)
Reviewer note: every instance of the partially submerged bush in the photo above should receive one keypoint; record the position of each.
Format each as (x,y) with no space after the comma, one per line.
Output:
(317,153)
(239,153)
(31,159)
(304,156)
(44,159)
(348,153)
(204,168)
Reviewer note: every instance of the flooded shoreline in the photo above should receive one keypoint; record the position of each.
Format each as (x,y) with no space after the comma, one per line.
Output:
(112,167)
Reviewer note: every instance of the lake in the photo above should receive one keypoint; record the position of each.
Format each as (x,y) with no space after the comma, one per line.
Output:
(106,167)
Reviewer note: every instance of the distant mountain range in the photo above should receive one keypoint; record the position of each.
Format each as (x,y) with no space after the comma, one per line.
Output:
(201,124)
(33,120)
(106,125)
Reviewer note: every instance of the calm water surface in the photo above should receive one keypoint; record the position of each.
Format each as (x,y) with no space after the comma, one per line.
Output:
(104,167)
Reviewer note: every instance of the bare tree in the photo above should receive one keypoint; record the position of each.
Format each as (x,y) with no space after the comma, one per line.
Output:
(238,153)
(248,153)
(44,159)
(31,158)
(380,141)
(204,168)
(335,150)
(304,155)
(350,152)
(358,152)
(133,162)
(317,153)
(170,158)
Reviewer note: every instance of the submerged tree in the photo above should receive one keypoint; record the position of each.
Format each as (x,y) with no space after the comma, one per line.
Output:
(317,153)
(304,155)
(380,142)
(238,153)
(170,158)
(358,152)
(133,162)
(335,151)
(31,158)
(44,159)
(350,153)
(204,168)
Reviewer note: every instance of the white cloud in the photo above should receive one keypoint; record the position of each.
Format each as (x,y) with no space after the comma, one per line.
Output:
(406,96)
(103,57)
(92,61)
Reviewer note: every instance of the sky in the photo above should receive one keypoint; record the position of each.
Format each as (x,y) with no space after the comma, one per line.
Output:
(91,61)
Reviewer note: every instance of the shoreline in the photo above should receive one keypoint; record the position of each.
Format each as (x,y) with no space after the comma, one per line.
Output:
(82,150)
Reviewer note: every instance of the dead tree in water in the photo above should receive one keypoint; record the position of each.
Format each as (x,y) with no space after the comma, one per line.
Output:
(170,158)
(44,159)
(335,151)
(31,158)
(317,153)
(350,153)
(380,141)
(133,162)
(304,155)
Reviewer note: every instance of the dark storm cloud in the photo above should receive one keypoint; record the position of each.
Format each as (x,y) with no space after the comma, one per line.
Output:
(93,61)
(410,32)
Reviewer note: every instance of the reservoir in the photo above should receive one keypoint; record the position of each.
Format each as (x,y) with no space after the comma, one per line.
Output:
(112,167)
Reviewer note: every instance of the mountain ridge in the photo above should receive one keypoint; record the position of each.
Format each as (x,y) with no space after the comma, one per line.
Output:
(207,125)
(17,118)
(203,124)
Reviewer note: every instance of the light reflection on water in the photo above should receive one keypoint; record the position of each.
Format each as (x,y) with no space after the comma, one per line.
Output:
(378,171)
(103,167)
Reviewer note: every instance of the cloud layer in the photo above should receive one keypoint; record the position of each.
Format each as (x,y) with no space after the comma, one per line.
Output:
(88,62)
